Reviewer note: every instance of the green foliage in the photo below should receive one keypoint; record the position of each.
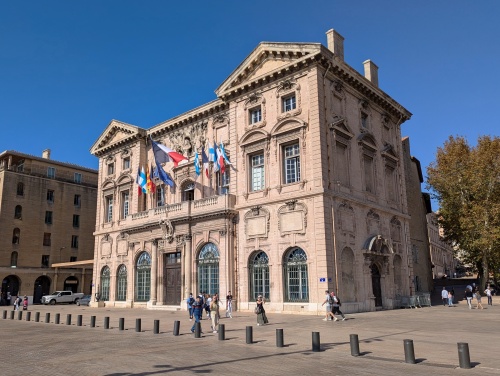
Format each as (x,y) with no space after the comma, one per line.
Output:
(466,182)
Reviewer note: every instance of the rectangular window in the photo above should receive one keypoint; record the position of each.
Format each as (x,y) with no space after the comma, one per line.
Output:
(160,196)
(77,200)
(45,261)
(126,163)
(46,239)
(72,259)
(292,163)
(255,115)
(257,178)
(109,208)
(223,182)
(368,171)
(48,217)
(78,178)
(51,172)
(50,196)
(289,103)
(111,169)
(125,204)
(74,241)
(76,220)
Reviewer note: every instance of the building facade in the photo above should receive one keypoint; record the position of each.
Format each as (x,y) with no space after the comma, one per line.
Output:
(314,198)
(442,253)
(47,216)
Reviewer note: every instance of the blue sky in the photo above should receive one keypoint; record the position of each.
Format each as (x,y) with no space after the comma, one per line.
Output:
(67,68)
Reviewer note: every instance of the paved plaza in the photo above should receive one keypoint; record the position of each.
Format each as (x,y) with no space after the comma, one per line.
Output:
(38,348)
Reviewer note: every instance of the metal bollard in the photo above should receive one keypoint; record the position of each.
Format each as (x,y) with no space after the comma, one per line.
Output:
(28,316)
(222,332)
(12,313)
(121,323)
(197,330)
(279,337)
(156,329)
(37,316)
(177,325)
(19,315)
(463,355)
(249,334)
(137,325)
(47,317)
(79,320)
(68,319)
(316,344)
(92,321)
(57,319)
(409,351)
(106,322)
(354,344)
(4,314)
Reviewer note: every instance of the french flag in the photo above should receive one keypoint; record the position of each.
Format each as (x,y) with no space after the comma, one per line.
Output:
(220,160)
(204,161)
(164,154)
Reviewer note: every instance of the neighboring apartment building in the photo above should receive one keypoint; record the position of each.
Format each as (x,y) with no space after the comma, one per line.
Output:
(419,206)
(315,198)
(442,253)
(47,216)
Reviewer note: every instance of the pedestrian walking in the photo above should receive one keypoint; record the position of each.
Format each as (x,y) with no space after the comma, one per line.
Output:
(229,305)
(17,302)
(468,296)
(197,312)
(450,299)
(190,301)
(260,311)
(25,303)
(488,293)
(444,296)
(9,297)
(214,309)
(336,307)
(478,299)
(328,312)
(208,301)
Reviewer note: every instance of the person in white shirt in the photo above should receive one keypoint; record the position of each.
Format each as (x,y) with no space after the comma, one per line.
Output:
(444,296)
(488,295)
(328,307)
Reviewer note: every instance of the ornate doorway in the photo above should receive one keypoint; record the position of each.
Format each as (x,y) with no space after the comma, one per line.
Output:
(377,290)
(172,279)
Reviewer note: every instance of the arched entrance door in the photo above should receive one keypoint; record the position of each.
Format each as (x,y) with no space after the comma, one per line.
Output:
(10,284)
(71,284)
(42,287)
(377,290)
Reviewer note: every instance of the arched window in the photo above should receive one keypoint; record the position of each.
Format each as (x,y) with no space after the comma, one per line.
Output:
(208,269)
(296,276)
(121,283)
(104,295)
(188,191)
(258,269)
(20,189)
(16,236)
(18,212)
(143,278)
(13,259)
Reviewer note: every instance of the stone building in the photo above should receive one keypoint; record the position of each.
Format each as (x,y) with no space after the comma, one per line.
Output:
(442,253)
(47,216)
(314,200)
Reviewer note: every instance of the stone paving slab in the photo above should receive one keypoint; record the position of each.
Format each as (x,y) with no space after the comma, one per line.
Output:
(50,349)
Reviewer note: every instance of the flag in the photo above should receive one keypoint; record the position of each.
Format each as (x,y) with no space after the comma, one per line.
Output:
(224,155)
(220,161)
(138,181)
(151,185)
(164,154)
(141,180)
(204,160)
(211,153)
(197,163)
(216,162)
(163,176)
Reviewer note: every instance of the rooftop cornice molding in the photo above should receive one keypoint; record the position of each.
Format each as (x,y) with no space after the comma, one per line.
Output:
(46,160)
(103,146)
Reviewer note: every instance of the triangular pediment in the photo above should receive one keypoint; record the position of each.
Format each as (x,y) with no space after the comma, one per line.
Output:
(116,133)
(266,59)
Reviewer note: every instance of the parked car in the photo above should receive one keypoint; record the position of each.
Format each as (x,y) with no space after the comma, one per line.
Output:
(84,301)
(62,297)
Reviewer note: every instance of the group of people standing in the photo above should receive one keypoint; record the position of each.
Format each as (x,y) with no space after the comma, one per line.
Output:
(6,300)
(471,292)
(211,305)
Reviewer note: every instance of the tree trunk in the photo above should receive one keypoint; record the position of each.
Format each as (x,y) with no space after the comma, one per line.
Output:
(485,274)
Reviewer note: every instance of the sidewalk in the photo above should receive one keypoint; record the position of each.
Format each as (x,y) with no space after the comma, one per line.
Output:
(50,349)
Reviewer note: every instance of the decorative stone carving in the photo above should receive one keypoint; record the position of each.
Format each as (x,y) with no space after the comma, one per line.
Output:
(167,229)
(186,140)
(257,223)
(292,218)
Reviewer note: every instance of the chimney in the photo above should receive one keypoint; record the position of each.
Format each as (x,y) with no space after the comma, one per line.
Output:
(46,154)
(371,72)
(335,43)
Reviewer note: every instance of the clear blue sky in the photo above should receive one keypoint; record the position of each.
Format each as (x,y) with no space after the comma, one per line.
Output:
(68,67)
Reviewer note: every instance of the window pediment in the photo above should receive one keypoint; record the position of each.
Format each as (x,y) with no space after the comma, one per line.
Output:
(389,152)
(253,136)
(288,125)
(340,127)
(366,140)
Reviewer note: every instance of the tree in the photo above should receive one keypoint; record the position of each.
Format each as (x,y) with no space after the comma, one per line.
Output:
(466,182)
